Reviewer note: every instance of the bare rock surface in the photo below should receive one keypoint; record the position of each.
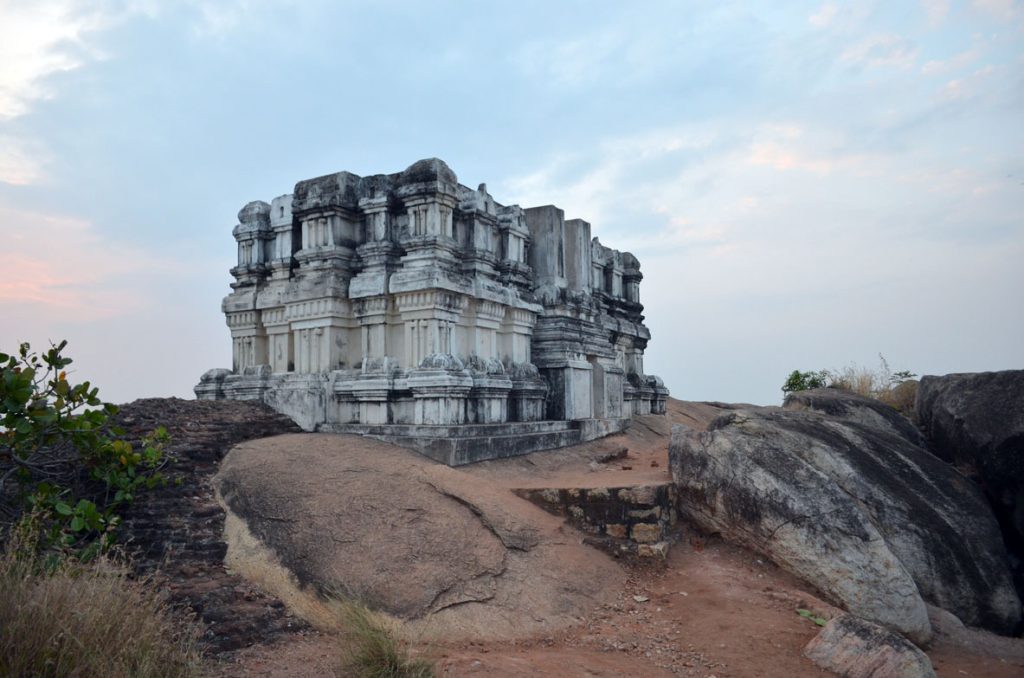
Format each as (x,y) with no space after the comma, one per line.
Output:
(856,648)
(851,407)
(976,421)
(638,456)
(874,521)
(953,641)
(343,515)
(741,480)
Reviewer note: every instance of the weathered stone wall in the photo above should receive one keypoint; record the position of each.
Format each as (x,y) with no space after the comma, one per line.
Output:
(632,519)
(175,533)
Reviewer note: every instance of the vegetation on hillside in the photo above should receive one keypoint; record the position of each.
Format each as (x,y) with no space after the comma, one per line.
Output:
(61,460)
(371,649)
(67,606)
(896,389)
(62,617)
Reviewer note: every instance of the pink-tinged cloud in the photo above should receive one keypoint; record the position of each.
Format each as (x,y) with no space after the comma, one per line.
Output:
(63,268)
(779,157)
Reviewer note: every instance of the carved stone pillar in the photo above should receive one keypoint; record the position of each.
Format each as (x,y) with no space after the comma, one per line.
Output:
(379,254)
(255,238)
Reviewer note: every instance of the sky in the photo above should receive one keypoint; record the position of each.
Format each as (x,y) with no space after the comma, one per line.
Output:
(807,185)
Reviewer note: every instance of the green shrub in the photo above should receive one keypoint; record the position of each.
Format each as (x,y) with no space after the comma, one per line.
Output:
(804,381)
(60,458)
(371,648)
(68,618)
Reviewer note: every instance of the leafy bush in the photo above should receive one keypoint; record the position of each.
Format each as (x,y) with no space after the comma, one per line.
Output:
(70,468)
(804,381)
(68,618)
(372,650)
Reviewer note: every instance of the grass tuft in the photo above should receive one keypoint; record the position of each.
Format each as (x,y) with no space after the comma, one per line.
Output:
(372,650)
(73,619)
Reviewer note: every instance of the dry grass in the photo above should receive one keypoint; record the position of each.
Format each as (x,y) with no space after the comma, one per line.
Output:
(88,620)
(896,389)
(371,647)
(901,397)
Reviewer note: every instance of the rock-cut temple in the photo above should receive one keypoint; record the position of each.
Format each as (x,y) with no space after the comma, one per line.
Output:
(414,309)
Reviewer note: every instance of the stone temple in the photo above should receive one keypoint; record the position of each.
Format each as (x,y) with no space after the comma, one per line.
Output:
(417,310)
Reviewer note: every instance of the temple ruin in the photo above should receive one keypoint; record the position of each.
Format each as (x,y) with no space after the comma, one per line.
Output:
(415,309)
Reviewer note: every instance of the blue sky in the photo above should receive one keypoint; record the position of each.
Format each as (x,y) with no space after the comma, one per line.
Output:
(806,184)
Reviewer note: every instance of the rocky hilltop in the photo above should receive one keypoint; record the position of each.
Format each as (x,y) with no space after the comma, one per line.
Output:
(706,548)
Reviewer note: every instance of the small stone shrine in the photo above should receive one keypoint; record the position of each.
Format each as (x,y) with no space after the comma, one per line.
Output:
(417,310)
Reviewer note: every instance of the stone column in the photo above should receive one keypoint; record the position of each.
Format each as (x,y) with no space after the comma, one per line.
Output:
(372,315)
(515,238)
(529,392)
(440,387)
(515,334)
(578,262)
(547,254)
(281,248)
(379,254)
(252,233)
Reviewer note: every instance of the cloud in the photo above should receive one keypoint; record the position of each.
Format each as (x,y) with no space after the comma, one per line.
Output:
(62,268)
(838,17)
(589,185)
(936,11)
(778,147)
(781,158)
(1004,10)
(968,87)
(139,323)
(954,63)
(42,38)
(825,15)
(216,20)
(38,39)
(573,62)
(21,162)
(882,50)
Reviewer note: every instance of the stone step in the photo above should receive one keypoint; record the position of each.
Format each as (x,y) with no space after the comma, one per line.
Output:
(622,519)
(457,451)
(452,431)
(460,444)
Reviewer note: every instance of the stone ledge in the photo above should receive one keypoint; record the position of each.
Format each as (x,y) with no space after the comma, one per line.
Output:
(460,444)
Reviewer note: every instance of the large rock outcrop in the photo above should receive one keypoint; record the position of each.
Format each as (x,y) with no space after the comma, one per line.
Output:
(855,648)
(851,407)
(316,516)
(873,520)
(976,421)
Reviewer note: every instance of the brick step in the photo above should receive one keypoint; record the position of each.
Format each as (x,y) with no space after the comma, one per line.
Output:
(632,519)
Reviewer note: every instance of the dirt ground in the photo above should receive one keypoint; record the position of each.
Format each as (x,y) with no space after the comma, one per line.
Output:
(711,609)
